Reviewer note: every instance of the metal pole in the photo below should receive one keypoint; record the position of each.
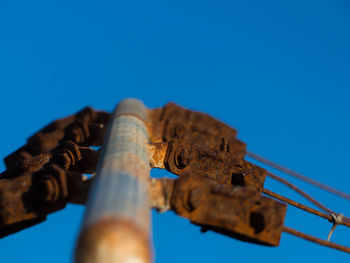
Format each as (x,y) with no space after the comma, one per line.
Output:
(116,225)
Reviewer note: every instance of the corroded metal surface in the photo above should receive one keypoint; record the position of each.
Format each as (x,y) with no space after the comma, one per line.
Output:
(216,189)
(181,155)
(225,168)
(46,173)
(157,153)
(230,210)
(86,128)
(114,240)
(173,120)
(161,192)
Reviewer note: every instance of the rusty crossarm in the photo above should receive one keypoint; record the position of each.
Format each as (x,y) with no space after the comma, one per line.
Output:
(217,188)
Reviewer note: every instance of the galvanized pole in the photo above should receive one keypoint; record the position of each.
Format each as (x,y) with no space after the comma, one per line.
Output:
(116,226)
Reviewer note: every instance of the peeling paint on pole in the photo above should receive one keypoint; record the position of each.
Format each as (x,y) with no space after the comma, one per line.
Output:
(116,225)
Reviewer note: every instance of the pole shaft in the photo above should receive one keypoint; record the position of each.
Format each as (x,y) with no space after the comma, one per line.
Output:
(116,226)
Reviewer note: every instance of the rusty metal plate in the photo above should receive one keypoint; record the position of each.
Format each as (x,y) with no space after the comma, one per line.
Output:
(172,121)
(230,210)
(184,156)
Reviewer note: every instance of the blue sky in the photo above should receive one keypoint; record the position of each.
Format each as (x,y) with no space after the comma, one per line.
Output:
(278,71)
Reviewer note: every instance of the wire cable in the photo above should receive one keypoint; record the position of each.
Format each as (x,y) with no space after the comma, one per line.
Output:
(298,175)
(307,196)
(329,217)
(299,191)
(315,239)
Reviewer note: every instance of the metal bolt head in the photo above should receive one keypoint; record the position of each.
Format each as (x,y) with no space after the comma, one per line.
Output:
(63,160)
(183,159)
(49,189)
(194,199)
(178,130)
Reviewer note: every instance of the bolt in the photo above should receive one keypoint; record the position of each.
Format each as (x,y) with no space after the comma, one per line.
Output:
(63,160)
(225,147)
(178,130)
(68,155)
(184,158)
(194,199)
(238,179)
(78,132)
(48,189)
(77,135)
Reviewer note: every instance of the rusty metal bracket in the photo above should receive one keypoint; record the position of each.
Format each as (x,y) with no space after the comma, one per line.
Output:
(46,173)
(28,198)
(216,189)
(173,120)
(230,210)
(180,155)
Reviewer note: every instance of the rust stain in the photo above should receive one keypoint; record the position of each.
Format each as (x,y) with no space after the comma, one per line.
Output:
(230,210)
(216,189)
(157,153)
(128,162)
(113,240)
(46,173)
(224,167)
(161,192)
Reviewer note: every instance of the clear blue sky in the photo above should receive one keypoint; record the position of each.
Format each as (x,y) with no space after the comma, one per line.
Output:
(278,71)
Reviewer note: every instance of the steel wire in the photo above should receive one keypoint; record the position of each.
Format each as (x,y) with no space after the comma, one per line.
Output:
(302,207)
(298,175)
(316,239)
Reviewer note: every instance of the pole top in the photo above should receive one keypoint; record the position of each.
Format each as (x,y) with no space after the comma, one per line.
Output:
(131,106)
